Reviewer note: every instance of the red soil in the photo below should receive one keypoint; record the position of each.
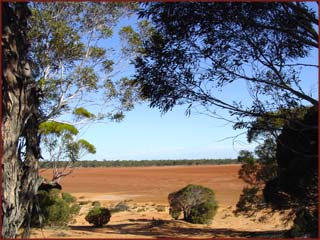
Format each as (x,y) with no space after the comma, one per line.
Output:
(152,184)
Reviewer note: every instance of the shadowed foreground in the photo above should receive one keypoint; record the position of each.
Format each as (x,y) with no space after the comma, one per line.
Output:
(168,228)
(144,190)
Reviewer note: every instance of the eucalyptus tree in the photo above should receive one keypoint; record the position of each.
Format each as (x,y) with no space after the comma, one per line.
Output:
(20,121)
(77,59)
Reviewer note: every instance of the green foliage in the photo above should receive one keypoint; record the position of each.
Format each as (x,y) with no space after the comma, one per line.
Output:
(133,40)
(89,78)
(75,209)
(59,141)
(202,213)
(197,203)
(98,216)
(132,37)
(68,197)
(82,112)
(197,49)
(266,152)
(256,172)
(58,128)
(272,122)
(68,51)
(174,212)
(84,144)
(246,157)
(54,209)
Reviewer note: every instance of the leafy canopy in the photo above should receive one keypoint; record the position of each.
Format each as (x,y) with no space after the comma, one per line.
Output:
(76,66)
(197,49)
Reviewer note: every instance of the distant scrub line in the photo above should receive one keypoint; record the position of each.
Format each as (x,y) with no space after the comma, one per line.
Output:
(141,163)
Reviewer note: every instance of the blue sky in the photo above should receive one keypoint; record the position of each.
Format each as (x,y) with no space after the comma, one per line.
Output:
(146,134)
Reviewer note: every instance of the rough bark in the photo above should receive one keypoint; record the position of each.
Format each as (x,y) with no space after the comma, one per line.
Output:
(20,116)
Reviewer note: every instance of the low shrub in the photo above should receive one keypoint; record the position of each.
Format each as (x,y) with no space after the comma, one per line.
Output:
(75,209)
(98,216)
(53,209)
(197,203)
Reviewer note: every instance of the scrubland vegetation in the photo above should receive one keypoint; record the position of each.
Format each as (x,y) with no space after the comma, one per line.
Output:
(58,209)
(140,163)
(54,209)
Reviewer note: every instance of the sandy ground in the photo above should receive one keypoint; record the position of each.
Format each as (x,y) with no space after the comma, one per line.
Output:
(145,191)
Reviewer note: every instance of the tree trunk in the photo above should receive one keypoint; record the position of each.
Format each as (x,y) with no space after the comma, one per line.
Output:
(20,118)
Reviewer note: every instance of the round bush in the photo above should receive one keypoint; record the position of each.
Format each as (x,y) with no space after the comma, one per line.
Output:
(98,216)
(197,203)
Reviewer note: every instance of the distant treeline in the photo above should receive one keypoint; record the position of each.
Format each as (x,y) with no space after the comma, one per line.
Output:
(140,163)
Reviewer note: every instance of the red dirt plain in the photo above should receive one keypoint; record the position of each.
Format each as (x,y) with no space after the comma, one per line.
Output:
(152,184)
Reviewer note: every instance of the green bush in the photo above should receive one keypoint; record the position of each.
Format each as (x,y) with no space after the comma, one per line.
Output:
(53,209)
(98,216)
(197,203)
(68,197)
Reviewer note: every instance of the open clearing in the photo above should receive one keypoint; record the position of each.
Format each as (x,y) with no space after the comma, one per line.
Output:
(145,189)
